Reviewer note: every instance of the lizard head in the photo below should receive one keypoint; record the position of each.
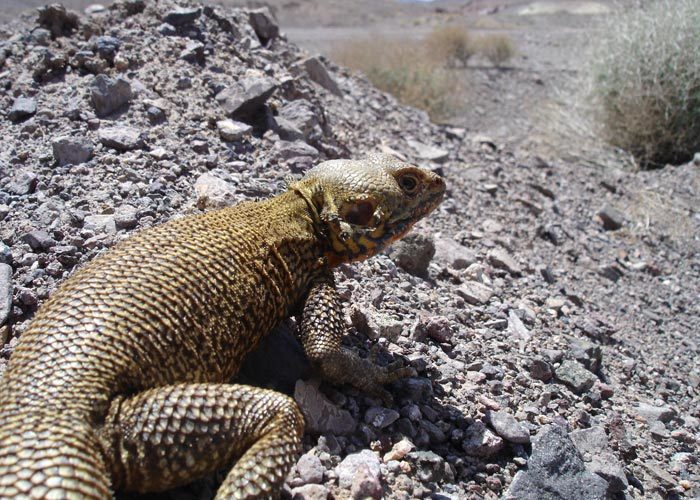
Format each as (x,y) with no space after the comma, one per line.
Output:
(364,205)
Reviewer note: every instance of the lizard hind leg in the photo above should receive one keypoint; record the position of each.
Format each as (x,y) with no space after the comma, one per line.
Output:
(169,436)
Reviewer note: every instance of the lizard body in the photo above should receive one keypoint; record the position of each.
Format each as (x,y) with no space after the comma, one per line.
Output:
(121,380)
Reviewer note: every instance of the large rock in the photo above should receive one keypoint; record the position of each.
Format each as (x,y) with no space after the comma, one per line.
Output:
(599,457)
(320,414)
(474,293)
(264,24)
(574,374)
(349,467)
(245,99)
(5,292)
(72,150)
(109,94)
(556,472)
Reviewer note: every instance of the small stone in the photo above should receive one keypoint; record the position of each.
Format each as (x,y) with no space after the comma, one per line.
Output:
(231,130)
(413,253)
(22,183)
(125,217)
(540,370)
(366,484)
(100,223)
(500,259)
(121,138)
(317,72)
(155,115)
(381,417)
(613,272)
(348,468)
(438,328)
(375,324)
(5,292)
(310,492)
(611,218)
(310,468)
(508,427)
(21,109)
(430,467)
(517,329)
(214,192)
(72,150)
(109,94)
(5,254)
(58,20)
(575,376)
(182,16)
(474,293)
(246,98)
(450,252)
(298,120)
(194,53)
(479,441)
(399,450)
(650,412)
(427,152)
(320,414)
(107,47)
(264,24)
(39,240)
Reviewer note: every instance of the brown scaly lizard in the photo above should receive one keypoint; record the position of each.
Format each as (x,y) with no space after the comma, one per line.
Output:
(120,381)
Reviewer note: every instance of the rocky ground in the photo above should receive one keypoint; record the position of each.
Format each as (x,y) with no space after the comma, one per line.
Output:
(550,308)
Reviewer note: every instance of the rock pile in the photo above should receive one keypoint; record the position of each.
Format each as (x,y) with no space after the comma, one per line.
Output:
(552,318)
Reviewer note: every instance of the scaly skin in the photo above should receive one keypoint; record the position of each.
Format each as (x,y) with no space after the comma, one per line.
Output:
(120,381)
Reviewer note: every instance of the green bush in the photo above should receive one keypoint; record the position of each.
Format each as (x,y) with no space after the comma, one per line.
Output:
(646,82)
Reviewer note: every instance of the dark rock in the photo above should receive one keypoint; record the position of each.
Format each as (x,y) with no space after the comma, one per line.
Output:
(414,253)
(415,389)
(121,138)
(21,109)
(474,293)
(556,472)
(611,218)
(107,47)
(109,94)
(39,240)
(5,292)
(479,441)
(317,72)
(58,20)
(72,150)
(508,427)
(193,52)
(430,467)
(246,98)
(450,252)
(182,16)
(540,370)
(574,374)
(264,24)
(599,457)
(613,272)
(320,414)
(381,417)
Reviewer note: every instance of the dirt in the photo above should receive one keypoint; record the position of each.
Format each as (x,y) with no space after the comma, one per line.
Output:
(559,293)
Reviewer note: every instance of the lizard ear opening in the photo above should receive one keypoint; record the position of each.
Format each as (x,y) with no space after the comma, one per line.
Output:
(359,213)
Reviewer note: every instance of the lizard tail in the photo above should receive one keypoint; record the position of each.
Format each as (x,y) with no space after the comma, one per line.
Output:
(50,458)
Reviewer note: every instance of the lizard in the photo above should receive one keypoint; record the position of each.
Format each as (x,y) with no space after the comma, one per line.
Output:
(122,380)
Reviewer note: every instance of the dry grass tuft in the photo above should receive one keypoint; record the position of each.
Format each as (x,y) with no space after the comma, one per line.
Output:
(405,69)
(452,44)
(497,48)
(647,82)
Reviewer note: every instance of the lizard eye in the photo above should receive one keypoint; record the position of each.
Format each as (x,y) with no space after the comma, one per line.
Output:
(408,183)
(360,213)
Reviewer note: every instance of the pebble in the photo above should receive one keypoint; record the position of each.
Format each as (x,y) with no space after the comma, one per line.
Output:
(72,150)
(399,450)
(651,412)
(414,253)
(366,484)
(375,324)
(540,370)
(428,152)
(348,468)
(109,94)
(310,492)
(508,427)
(474,293)
(182,16)
(317,72)
(22,108)
(245,98)
(39,240)
(500,259)
(231,130)
(479,441)
(575,376)
(310,469)
(121,137)
(381,417)
(450,252)
(611,218)
(5,292)
(430,467)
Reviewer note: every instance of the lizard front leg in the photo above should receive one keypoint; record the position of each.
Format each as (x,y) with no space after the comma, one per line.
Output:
(320,333)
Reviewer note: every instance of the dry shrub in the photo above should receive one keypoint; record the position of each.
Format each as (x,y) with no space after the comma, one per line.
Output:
(452,44)
(405,69)
(497,48)
(647,81)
